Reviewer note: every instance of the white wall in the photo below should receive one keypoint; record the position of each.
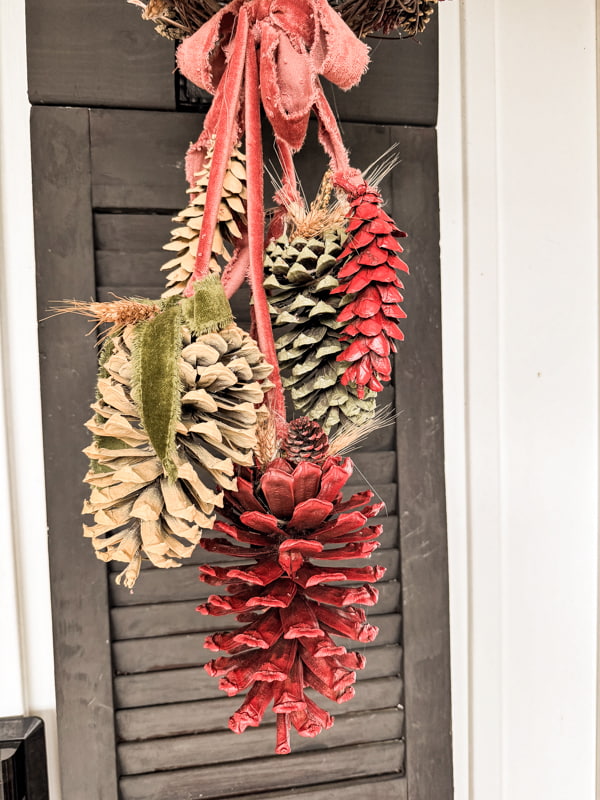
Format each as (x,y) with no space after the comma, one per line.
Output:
(518,150)
(27,673)
(519,236)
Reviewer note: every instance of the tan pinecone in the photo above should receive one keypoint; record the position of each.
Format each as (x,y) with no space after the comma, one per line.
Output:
(300,277)
(231,221)
(137,511)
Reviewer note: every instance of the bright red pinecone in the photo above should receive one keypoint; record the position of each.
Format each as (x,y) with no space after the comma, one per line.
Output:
(282,520)
(370,263)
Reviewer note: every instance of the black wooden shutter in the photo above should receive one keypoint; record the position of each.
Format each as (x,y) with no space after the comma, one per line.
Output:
(138,717)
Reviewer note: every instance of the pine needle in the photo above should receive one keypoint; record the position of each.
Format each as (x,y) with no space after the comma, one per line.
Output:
(349,436)
(382,166)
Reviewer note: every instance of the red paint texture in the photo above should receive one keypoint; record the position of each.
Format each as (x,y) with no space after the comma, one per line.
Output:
(370,264)
(281,522)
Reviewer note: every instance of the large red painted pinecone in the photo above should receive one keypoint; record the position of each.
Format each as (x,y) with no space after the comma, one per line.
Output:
(282,519)
(369,272)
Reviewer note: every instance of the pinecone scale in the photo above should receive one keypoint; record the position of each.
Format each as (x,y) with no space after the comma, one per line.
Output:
(231,222)
(281,519)
(299,284)
(137,511)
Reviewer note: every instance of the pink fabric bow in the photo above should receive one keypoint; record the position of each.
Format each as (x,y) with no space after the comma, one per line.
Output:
(299,40)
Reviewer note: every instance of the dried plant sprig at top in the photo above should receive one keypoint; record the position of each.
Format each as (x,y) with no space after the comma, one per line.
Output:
(116,314)
(176,19)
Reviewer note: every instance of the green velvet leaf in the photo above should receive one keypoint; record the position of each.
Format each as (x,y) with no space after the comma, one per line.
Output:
(208,310)
(110,443)
(156,386)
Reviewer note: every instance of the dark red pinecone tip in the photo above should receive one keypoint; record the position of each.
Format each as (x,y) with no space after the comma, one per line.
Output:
(305,441)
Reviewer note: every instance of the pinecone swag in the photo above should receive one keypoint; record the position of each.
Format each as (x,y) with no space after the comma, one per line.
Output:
(281,520)
(369,268)
(300,283)
(230,225)
(151,497)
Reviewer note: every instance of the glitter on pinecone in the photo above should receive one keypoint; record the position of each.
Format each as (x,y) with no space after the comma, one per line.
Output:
(230,224)
(369,268)
(300,280)
(282,519)
(137,511)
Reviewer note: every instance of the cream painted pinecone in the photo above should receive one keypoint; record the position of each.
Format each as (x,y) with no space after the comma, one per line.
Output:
(300,277)
(231,221)
(137,511)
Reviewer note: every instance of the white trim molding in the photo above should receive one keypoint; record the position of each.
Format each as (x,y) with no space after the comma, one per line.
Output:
(519,209)
(24,574)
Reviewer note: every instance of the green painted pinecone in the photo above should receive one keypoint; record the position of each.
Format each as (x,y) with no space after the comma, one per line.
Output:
(300,277)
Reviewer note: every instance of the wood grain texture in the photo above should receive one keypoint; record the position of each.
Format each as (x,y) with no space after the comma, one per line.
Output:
(266,773)
(186,649)
(169,619)
(131,232)
(400,86)
(192,684)
(138,158)
(182,719)
(422,507)
(209,748)
(64,255)
(389,541)
(183,583)
(96,54)
(102,54)
(384,787)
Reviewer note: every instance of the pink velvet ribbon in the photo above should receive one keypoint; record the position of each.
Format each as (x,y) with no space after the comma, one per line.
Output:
(269,52)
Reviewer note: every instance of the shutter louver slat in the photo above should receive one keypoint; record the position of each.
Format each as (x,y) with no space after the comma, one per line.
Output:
(210,748)
(181,685)
(266,773)
(164,619)
(174,652)
(181,719)
(162,586)
(383,787)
